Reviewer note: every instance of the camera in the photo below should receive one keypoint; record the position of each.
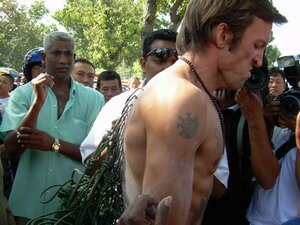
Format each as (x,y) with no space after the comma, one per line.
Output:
(289,105)
(259,79)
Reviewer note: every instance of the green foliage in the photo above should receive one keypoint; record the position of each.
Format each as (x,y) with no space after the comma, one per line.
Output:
(272,54)
(130,70)
(20,30)
(106,32)
(170,13)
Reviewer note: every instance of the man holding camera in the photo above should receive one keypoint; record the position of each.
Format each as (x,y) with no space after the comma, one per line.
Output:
(280,202)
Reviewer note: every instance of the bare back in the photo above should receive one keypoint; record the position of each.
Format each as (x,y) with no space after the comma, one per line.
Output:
(173,143)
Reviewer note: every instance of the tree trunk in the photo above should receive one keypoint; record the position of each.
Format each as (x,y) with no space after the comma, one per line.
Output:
(149,18)
(174,15)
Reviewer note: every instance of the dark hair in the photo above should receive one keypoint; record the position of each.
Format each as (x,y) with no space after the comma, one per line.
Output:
(161,34)
(9,76)
(109,75)
(86,61)
(202,16)
(275,71)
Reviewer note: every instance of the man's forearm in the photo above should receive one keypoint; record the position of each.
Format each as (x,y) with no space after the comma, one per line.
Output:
(265,165)
(11,143)
(70,150)
(31,116)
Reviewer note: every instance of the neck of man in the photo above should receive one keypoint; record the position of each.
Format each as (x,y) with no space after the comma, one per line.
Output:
(203,67)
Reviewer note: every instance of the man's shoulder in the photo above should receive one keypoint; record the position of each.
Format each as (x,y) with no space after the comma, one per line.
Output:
(23,90)
(176,90)
(117,103)
(122,97)
(85,91)
(27,86)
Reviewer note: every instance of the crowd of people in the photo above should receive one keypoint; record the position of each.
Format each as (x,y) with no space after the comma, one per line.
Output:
(199,147)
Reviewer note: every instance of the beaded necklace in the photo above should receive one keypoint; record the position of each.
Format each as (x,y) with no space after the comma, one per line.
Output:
(212,98)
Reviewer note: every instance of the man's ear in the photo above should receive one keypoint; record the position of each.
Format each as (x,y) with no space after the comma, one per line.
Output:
(43,56)
(143,64)
(222,35)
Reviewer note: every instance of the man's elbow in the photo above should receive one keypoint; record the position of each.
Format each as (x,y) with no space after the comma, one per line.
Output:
(267,185)
(269,181)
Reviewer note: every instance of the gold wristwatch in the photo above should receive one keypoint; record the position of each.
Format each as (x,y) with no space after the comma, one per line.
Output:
(56,145)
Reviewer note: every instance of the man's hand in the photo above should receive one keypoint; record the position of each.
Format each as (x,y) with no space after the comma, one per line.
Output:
(146,211)
(32,138)
(250,104)
(39,85)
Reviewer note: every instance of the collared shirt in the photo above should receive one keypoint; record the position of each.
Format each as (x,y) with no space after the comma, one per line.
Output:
(39,170)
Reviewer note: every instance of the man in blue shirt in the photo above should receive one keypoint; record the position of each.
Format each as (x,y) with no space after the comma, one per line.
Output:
(46,120)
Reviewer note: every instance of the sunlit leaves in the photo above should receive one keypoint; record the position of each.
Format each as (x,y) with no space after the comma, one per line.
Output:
(20,30)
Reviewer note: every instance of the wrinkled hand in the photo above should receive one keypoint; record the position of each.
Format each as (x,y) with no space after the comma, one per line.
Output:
(250,103)
(32,138)
(39,85)
(146,211)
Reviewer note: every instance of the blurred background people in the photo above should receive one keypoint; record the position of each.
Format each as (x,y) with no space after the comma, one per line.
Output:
(277,83)
(32,65)
(7,77)
(134,82)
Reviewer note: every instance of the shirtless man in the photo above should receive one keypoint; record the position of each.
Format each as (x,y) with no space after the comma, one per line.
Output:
(173,139)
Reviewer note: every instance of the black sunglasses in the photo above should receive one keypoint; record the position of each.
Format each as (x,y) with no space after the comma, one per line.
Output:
(162,53)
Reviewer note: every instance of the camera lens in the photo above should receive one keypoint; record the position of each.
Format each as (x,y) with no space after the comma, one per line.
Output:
(258,80)
(289,106)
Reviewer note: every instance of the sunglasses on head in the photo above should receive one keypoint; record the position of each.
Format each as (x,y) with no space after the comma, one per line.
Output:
(162,53)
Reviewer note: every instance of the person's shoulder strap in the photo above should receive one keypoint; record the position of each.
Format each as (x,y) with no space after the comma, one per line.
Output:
(286,147)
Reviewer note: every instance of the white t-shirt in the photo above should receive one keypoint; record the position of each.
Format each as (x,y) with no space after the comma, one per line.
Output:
(111,111)
(280,203)
(280,136)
